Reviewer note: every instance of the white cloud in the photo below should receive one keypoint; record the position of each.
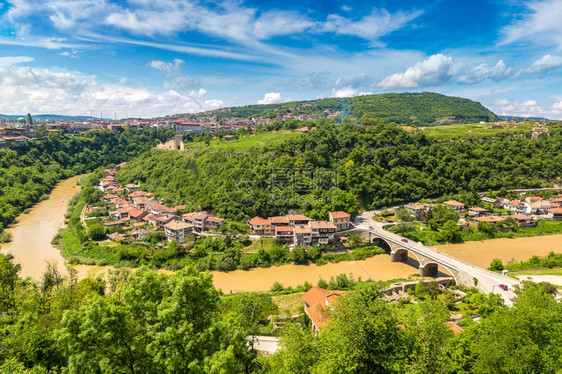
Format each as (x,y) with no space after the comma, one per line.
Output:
(540,24)
(545,64)
(213,103)
(370,27)
(440,70)
(271,98)
(528,108)
(484,71)
(347,91)
(11,60)
(35,90)
(436,70)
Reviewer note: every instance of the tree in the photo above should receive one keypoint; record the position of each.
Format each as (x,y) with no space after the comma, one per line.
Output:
(362,337)
(449,232)
(405,216)
(496,265)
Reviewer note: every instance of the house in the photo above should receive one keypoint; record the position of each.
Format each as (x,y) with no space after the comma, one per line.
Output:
(137,214)
(416,209)
(524,220)
(533,199)
(158,209)
(555,214)
(456,205)
(260,226)
(496,203)
(213,223)
(279,221)
(131,187)
(199,220)
(514,206)
(298,219)
(322,232)
(477,211)
(109,198)
(342,220)
(136,194)
(489,219)
(159,220)
(285,234)
(537,207)
(176,230)
(142,233)
(228,138)
(303,236)
(319,305)
(120,203)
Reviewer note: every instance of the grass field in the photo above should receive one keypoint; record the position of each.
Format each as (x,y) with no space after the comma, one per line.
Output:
(244,143)
(262,243)
(477,130)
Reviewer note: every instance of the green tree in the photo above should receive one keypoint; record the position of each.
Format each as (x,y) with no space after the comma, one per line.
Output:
(496,265)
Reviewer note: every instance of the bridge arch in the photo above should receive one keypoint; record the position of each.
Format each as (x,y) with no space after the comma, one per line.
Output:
(429,269)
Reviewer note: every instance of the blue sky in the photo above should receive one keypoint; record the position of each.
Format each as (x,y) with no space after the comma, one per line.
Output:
(102,56)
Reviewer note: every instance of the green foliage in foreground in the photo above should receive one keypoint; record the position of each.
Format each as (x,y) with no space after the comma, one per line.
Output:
(147,322)
(28,173)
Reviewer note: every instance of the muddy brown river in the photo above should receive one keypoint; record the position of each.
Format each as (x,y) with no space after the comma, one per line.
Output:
(33,233)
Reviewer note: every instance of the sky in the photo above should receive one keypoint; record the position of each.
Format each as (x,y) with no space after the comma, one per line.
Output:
(148,58)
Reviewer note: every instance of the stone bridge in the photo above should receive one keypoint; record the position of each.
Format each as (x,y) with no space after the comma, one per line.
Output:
(429,260)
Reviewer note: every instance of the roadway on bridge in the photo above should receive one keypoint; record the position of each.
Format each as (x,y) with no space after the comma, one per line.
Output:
(488,280)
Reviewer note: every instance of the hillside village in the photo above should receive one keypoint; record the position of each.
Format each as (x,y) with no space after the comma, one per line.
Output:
(133,214)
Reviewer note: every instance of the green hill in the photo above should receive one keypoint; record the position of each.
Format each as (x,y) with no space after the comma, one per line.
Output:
(419,109)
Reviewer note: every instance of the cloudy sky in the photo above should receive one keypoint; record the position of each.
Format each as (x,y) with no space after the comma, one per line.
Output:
(146,58)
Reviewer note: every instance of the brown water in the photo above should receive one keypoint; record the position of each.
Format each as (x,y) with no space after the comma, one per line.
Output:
(516,249)
(377,268)
(33,232)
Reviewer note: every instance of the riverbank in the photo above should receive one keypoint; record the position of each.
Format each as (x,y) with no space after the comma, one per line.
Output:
(32,233)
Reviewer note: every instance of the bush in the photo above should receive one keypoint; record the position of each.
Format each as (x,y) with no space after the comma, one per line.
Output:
(362,253)
(276,286)
(5,237)
(322,283)
(496,265)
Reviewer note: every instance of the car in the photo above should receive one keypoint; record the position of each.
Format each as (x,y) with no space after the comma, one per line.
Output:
(371,228)
(503,287)
(405,240)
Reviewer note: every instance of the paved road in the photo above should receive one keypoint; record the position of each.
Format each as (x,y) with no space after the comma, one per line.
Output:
(489,280)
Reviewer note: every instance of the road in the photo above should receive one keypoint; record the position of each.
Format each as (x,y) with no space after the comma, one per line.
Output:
(487,280)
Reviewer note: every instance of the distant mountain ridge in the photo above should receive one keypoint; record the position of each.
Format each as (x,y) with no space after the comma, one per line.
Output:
(47,117)
(419,109)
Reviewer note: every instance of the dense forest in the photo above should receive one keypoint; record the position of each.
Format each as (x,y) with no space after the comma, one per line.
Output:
(30,172)
(343,167)
(420,109)
(153,323)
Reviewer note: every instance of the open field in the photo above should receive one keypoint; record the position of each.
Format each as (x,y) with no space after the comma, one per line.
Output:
(244,143)
(477,130)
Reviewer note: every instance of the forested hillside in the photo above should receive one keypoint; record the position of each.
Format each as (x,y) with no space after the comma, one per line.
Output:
(420,109)
(343,167)
(28,173)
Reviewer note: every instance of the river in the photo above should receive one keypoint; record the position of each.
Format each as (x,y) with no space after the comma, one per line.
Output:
(481,253)
(32,235)
(33,232)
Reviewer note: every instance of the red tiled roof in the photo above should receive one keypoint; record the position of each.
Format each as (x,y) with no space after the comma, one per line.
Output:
(314,295)
(136,212)
(257,221)
(339,214)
